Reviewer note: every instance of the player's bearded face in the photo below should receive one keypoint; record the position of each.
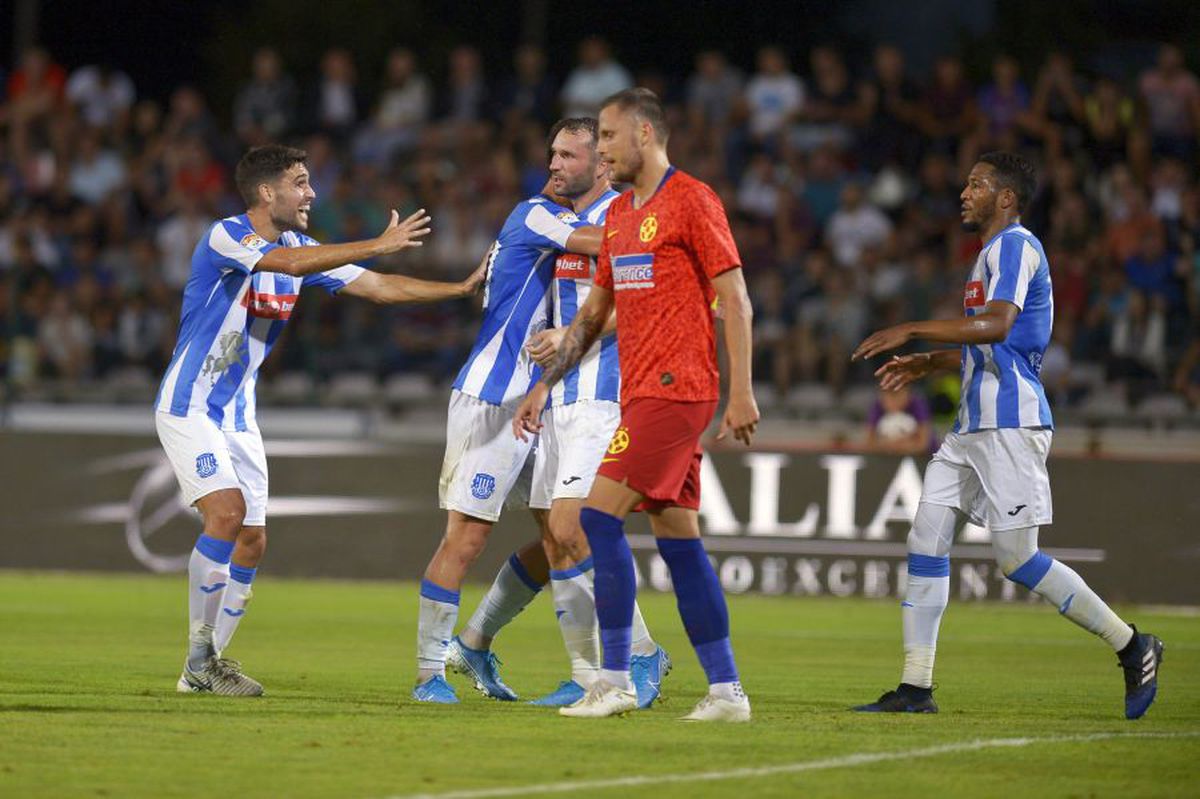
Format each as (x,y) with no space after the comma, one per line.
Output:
(293,200)
(619,144)
(979,198)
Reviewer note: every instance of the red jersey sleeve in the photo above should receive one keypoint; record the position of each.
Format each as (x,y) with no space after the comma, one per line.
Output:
(711,240)
(603,277)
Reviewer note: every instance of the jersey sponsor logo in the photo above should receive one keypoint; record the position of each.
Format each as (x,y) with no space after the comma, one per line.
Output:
(633,271)
(619,442)
(973,297)
(231,349)
(206,464)
(269,306)
(483,485)
(253,241)
(570,266)
(649,228)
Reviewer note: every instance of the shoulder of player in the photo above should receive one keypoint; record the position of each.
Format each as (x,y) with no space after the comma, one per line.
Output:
(694,191)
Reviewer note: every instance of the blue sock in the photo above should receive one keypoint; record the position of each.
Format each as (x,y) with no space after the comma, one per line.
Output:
(214,548)
(242,574)
(701,606)
(616,584)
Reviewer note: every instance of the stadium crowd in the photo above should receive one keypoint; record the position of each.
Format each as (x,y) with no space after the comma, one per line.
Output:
(841,181)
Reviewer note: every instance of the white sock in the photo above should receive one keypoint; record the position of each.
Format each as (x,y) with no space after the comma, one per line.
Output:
(575,606)
(921,611)
(511,591)
(1063,586)
(435,623)
(233,607)
(208,577)
(640,642)
(620,679)
(727,690)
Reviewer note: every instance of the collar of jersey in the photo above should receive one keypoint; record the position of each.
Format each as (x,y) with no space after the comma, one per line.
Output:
(670,171)
(602,198)
(1002,231)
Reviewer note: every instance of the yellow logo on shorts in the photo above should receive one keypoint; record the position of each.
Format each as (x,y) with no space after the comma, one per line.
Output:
(620,441)
(648,229)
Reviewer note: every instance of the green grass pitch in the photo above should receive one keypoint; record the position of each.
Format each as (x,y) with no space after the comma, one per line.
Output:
(87,704)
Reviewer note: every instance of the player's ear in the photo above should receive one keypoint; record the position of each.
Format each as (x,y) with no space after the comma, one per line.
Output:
(266,193)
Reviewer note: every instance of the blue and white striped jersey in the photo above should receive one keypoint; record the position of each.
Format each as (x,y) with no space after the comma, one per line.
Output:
(1000,382)
(597,376)
(232,316)
(516,301)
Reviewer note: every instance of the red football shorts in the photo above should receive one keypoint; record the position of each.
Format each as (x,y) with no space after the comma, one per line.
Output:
(656,450)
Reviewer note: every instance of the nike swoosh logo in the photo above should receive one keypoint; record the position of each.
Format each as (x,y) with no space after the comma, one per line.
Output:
(208,589)
(612,233)
(234,613)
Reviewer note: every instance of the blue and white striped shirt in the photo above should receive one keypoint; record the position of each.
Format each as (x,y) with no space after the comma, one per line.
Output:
(597,376)
(1001,386)
(232,316)
(516,301)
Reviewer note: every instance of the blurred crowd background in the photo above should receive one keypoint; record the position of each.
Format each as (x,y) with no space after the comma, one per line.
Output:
(840,177)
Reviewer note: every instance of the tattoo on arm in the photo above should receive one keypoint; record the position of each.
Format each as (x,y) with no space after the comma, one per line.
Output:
(584,330)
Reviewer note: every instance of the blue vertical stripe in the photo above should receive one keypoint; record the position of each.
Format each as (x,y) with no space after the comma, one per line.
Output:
(214,312)
(1008,398)
(568,301)
(973,390)
(1010,267)
(496,385)
(608,384)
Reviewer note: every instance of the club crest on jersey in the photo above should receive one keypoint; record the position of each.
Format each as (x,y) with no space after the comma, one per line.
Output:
(973,297)
(206,464)
(567,216)
(633,271)
(253,241)
(620,441)
(570,266)
(649,228)
(483,486)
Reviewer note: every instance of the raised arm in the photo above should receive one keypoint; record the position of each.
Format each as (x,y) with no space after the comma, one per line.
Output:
(586,240)
(301,261)
(900,370)
(741,413)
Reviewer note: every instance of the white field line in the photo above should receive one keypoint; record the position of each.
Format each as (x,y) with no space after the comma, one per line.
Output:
(860,759)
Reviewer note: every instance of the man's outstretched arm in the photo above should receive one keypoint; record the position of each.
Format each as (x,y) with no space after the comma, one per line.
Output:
(989,327)
(301,261)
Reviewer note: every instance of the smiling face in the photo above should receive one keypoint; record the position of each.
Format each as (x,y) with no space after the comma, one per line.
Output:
(620,143)
(289,198)
(574,164)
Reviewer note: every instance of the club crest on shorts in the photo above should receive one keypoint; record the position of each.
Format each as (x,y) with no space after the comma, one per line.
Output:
(483,486)
(206,464)
(620,441)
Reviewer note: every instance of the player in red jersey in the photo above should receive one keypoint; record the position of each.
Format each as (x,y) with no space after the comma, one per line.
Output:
(667,253)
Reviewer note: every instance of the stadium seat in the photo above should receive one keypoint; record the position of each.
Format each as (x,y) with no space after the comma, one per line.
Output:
(1106,405)
(1162,409)
(291,388)
(811,399)
(353,388)
(402,389)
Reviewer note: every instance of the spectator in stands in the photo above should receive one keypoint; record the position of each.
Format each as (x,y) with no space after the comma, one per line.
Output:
(831,111)
(64,338)
(35,88)
(855,226)
(888,110)
(102,96)
(1172,97)
(829,326)
(264,110)
(947,112)
(714,93)
(597,76)
(401,113)
(1057,110)
(529,93)
(1110,124)
(1151,269)
(774,97)
(336,103)
(901,423)
(467,94)
(1138,347)
(97,171)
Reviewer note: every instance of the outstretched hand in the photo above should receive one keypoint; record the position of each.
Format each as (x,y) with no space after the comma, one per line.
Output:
(901,370)
(882,341)
(400,235)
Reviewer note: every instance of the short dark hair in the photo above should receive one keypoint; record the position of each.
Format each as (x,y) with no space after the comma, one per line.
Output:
(263,165)
(587,125)
(644,104)
(1013,172)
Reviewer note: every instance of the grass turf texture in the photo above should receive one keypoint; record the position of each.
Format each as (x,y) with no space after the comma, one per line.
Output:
(87,703)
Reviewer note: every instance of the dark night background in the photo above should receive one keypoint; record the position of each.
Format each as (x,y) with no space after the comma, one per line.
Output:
(208,44)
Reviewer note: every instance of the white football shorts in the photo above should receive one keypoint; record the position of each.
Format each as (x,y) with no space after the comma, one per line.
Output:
(484,460)
(997,477)
(574,438)
(206,459)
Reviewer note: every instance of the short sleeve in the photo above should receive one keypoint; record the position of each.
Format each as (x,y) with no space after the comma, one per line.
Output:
(603,277)
(234,246)
(1011,266)
(333,280)
(542,228)
(711,240)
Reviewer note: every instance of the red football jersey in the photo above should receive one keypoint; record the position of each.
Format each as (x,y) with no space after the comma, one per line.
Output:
(659,260)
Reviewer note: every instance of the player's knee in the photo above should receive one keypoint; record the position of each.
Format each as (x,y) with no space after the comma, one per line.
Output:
(224,518)
(1014,548)
(466,540)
